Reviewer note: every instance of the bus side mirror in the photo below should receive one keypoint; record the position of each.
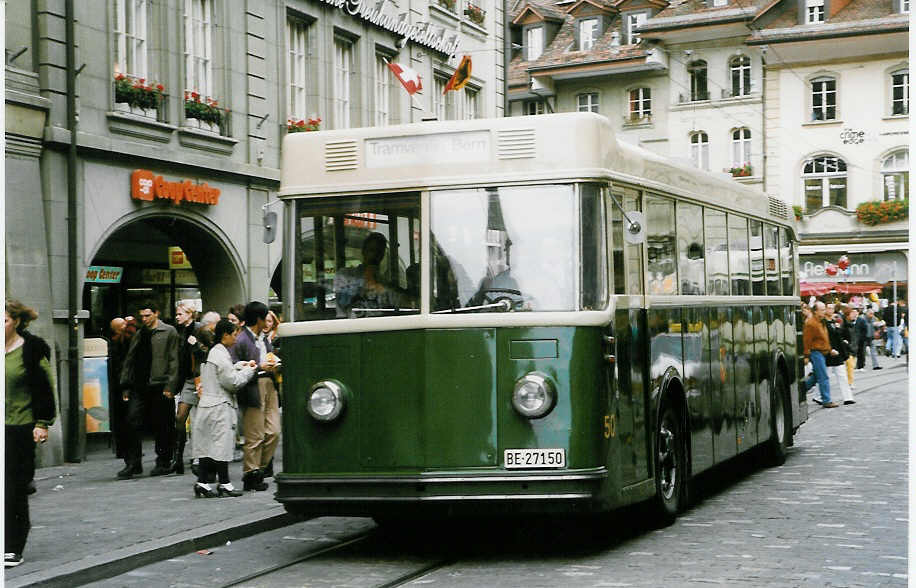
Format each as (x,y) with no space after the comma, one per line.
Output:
(270,227)
(634,227)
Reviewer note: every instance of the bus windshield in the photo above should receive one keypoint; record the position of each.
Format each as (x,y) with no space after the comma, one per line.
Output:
(504,249)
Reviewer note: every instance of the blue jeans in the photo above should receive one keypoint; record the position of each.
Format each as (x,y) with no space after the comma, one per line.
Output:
(894,341)
(819,374)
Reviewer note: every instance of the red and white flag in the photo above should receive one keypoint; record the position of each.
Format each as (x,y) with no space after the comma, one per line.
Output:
(408,77)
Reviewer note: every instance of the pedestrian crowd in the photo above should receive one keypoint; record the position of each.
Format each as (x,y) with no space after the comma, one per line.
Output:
(209,376)
(837,337)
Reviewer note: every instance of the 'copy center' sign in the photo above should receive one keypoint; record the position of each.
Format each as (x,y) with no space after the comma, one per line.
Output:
(144,185)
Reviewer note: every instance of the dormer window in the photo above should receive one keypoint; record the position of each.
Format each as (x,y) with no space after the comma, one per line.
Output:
(588,33)
(534,43)
(718,3)
(904,6)
(814,11)
(634,21)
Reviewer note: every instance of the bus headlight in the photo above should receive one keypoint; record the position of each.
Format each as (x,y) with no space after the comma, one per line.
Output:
(326,401)
(534,395)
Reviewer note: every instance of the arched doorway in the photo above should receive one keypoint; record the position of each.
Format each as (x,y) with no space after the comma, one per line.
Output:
(141,247)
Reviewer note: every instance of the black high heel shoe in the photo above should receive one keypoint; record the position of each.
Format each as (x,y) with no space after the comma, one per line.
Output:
(227,490)
(201,491)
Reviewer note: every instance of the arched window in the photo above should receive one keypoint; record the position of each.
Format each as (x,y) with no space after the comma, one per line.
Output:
(697,72)
(895,173)
(823,98)
(740,68)
(741,147)
(825,182)
(900,92)
(699,149)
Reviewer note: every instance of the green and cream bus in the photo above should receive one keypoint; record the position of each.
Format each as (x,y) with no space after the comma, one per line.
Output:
(525,315)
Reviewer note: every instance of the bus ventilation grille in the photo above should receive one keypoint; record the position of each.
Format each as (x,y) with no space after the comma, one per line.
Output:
(515,144)
(340,156)
(778,208)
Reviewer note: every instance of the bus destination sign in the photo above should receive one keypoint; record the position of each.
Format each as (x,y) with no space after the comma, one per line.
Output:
(446,148)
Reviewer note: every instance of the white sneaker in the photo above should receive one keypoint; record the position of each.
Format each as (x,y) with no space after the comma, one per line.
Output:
(11,560)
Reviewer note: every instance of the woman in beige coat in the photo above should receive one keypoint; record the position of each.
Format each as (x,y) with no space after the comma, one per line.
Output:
(215,420)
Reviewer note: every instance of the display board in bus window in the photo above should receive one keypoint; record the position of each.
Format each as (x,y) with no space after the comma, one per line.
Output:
(716,252)
(738,263)
(660,245)
(756,246)
(358,257)
(620,280)
(691,254)
(507,248)
(787,262)
(771,259)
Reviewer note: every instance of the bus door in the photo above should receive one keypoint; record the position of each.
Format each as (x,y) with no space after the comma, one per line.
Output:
(628,405)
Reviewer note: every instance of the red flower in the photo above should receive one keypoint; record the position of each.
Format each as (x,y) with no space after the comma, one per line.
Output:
(195,96)
(160,87)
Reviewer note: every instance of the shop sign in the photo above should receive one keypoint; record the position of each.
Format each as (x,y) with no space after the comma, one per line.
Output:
(145,185)
(162,277)
(863,267)
(382,14)
(104,274)
(177,259)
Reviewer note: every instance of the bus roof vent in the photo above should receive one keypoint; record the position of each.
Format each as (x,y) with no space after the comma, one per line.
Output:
(515,144)
(340,156)
(778,208)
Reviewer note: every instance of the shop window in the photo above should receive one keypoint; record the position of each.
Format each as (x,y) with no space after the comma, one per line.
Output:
(587,102)
(297,69)
(740,69)
(824,179)
(130,36)
(699,149)
(895,175)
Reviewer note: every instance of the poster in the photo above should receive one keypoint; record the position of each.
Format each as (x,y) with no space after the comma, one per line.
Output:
(95,394)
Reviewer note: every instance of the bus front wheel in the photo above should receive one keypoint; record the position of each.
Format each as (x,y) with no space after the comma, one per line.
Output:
(670,464)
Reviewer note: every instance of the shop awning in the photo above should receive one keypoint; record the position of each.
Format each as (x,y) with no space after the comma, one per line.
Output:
(821,288)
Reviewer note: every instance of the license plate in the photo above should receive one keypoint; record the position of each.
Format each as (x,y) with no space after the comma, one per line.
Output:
(517,459)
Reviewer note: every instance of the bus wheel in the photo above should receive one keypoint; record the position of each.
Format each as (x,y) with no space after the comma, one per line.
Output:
(670,464)
(777,448)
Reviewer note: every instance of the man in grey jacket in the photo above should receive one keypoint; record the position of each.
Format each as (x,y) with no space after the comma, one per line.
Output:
(149,380)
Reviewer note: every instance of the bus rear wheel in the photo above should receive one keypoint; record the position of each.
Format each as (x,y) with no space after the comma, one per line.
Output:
(777,448)
(670,465)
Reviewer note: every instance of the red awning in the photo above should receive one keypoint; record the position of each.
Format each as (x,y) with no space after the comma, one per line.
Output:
(821,288)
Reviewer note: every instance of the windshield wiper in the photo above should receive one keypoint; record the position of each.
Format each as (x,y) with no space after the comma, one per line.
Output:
(505,305)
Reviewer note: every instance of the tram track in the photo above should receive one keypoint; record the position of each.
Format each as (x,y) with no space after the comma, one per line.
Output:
(349,550)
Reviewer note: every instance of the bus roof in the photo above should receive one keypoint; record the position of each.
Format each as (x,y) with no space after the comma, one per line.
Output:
(500,151)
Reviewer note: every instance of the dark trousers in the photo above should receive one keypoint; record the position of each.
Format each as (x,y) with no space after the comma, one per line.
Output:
(209,468)
(860,354)
(161,411)
(20,469)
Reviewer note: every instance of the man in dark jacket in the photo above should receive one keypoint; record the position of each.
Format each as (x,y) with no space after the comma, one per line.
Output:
(117,352)
(258,400)
(150,378)
(865,333)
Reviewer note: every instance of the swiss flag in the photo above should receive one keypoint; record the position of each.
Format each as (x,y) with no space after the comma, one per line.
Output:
(408,77)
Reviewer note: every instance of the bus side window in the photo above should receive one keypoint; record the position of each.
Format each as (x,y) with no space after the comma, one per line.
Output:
(660,241)
(633,253)
(620,281)
(691,260)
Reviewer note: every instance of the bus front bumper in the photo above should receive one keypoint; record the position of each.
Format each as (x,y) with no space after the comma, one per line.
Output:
(452,494)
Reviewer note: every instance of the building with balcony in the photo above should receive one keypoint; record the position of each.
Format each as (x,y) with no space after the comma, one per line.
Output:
(155,181)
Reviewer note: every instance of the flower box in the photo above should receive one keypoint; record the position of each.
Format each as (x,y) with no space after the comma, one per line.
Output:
(448,5)
(137,94)
(878,213)
(304,125)
(475,13)
(207,112)
(741,171)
